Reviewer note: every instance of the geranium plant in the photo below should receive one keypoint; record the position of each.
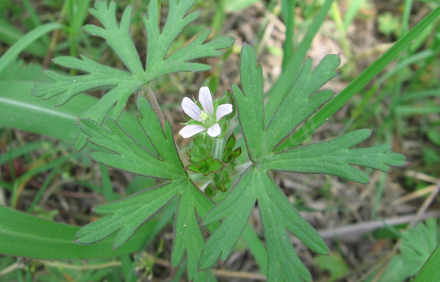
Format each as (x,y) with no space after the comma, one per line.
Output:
(215,165)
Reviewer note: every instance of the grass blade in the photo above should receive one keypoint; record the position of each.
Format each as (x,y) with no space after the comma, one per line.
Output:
(25,41)
(9,34)
(289,20)
(24,235)
(42,117)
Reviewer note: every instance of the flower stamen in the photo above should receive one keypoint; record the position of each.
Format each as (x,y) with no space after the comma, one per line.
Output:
(204,116)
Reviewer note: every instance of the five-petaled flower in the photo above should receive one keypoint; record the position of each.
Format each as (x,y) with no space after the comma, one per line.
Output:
(206,119)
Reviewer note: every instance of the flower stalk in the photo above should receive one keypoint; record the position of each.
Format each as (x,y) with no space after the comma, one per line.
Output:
(217,148)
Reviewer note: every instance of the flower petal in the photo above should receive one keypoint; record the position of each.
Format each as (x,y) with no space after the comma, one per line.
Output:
(205,99)
(214,130)
(190,108)
(191,130)
(223,110)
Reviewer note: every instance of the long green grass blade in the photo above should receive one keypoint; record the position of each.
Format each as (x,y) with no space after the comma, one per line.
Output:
(26,236)
(25,41)
(358,83)
(9,34)
(289,20)
(22,111)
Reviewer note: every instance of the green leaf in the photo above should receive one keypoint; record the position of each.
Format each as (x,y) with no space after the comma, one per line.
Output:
(42,239)
(256,247)
(236,208)
(187,234)
(250,107)
(282,85)
(303,99)
(228,147)
(233,155)
(158,42)
(128,154)
(10,34)
(122,83)
(359,82)
(194,168)
(335,158)
(334,264)
(430,270)
(229,155)
(277,213)
(206,166)
(418,245)
(42,117)
(125,216)
(214,165)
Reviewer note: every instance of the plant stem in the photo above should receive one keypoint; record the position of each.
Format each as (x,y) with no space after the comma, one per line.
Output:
(217,149)
(147,92)
(54,39)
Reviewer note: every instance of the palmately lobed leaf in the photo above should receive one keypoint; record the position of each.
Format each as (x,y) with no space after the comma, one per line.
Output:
(161,138)
(250,103)
(117,37)
(188,238)
(159,42)
(303,100)
(127,215)
(124,83)
(128,154)
(68,86)
(277,215)
(236,209)
(335,157)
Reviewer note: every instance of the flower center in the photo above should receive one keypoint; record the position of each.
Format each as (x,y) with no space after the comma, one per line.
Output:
(204,116)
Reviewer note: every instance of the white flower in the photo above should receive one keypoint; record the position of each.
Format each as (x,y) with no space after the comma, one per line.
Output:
(208,118)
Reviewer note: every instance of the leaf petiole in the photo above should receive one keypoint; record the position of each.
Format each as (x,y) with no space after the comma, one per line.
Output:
(148,93)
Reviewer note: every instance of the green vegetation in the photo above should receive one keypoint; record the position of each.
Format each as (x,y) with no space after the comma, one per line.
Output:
(378,108)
